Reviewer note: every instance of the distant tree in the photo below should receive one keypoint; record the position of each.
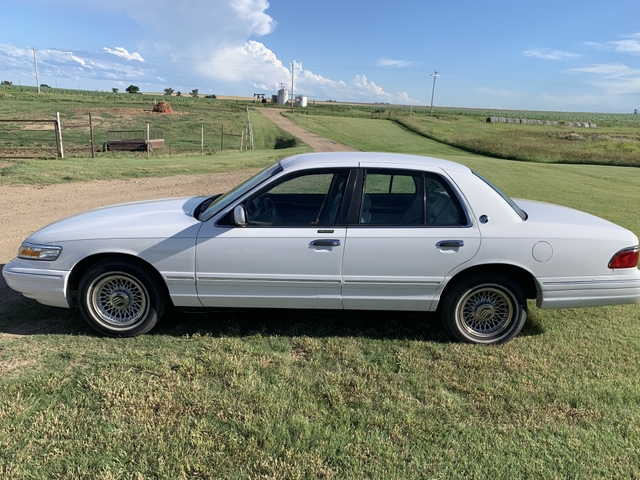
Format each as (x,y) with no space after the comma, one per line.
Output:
(210,96)
(179,94)
(194,93)
(44,85)
(635,112)
(7,82)
(114,90)
(168,91)
(133,89)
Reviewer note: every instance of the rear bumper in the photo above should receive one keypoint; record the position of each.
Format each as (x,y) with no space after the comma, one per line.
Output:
(40,283)
(589,292)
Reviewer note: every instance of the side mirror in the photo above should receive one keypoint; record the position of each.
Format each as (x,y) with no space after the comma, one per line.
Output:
(239,216)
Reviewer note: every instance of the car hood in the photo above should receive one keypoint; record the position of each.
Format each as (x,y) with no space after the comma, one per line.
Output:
(165,218)
(568,222)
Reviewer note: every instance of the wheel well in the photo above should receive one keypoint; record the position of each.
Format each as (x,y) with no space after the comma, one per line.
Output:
(520,276)
(85,264)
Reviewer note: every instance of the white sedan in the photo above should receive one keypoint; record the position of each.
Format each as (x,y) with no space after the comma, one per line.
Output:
(361,231)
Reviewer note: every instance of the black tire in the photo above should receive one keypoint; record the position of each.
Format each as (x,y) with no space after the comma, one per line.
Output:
(486,309)
(120,298)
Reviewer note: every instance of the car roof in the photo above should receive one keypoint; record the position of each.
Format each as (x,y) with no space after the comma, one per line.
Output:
(367,159)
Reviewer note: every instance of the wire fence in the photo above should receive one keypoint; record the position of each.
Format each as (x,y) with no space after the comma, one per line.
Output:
(77,136)
(28,139)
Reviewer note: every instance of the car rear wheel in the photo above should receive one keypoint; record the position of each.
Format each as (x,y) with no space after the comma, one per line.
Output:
(120,299)
(486,309)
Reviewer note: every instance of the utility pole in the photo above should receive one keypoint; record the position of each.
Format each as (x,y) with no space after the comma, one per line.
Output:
(35,64)
(293,66)
(433,90)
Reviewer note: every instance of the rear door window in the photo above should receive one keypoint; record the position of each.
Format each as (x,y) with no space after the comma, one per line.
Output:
(404,197)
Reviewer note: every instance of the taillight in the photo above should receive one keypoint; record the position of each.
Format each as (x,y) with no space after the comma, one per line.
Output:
(626,258)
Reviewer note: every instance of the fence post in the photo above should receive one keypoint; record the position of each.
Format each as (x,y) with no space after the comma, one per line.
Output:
(59,136)
(222,138)
(250,132)
(202,140)
(93,147)
(147,140)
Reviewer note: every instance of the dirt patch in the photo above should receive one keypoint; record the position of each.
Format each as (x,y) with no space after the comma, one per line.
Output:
(38,126)
(113,118)
(13,365)
(25,209)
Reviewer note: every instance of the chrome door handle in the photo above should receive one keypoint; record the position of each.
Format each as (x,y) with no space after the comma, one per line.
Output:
(325,242)
(450,244)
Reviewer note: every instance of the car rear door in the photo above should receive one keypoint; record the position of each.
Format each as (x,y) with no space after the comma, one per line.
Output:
(409,231)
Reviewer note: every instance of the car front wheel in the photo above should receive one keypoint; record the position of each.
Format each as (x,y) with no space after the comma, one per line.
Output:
(121,299)
(484,309)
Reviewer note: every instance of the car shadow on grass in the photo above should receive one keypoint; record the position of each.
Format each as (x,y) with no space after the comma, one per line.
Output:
(311,323)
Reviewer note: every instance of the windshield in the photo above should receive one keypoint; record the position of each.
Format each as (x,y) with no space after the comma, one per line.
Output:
(225,200)
(512,204)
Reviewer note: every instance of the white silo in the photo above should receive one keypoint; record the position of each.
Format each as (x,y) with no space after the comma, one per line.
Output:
(301,101)
(283,96)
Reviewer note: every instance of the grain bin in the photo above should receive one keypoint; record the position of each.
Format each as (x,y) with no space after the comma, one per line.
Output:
(283,96)
(301,101)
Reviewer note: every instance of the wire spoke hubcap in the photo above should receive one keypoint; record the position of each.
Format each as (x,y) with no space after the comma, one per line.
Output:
(486,311)
(119,300)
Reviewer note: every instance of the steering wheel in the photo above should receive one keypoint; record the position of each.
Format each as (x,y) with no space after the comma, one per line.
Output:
(262,209)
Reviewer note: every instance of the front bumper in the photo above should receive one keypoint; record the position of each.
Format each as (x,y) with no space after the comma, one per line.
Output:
(36,280)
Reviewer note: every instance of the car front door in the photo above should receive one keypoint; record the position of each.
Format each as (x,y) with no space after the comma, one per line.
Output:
(410,231)
(289,252)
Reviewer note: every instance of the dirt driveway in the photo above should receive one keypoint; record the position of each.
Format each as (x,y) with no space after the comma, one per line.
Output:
(25,209)
(318,143)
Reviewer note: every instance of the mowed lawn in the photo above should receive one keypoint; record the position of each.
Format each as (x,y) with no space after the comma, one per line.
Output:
(255,394)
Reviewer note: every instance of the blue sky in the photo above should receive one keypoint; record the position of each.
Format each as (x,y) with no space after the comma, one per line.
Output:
(544,55)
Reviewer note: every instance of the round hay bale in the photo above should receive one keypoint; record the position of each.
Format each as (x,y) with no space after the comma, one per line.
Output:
(162,107)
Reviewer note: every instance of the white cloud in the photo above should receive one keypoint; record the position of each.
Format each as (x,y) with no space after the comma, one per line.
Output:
(631,45)
(549,54)
(630,86)
(613,78)
(199,23)
(123,53)
(210,43)
(572,100)
(387,62)
(626,46)
(596,45)
(495,92)
(609,70)
(251,61)
(54,63)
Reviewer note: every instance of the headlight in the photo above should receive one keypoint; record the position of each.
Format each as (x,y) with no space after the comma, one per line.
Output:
(31,251)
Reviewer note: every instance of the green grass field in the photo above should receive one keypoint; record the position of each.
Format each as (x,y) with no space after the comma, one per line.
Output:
(43,172)
(182,129)
(312,395)
(615,140)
